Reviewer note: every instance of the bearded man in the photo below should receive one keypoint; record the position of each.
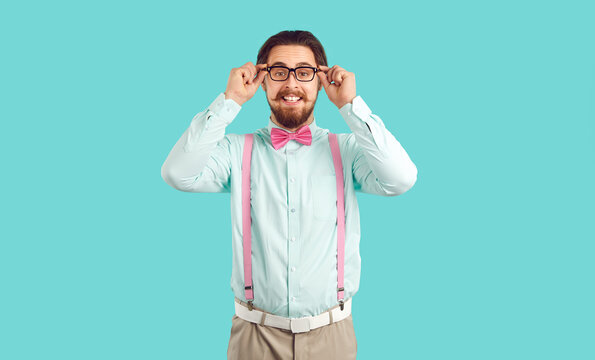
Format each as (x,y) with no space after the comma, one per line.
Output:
(295,218)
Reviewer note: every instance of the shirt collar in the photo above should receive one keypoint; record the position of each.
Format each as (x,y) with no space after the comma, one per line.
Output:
(313,127)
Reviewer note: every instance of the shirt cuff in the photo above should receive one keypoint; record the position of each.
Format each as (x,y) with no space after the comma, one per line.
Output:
(356,113)
(226,109)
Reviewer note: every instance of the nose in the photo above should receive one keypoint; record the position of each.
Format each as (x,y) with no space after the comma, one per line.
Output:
(291,80)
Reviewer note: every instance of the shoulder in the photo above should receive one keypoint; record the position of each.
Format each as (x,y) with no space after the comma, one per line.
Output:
(262,135)
(347,145)
(236,141)
(346,140)
(234,138)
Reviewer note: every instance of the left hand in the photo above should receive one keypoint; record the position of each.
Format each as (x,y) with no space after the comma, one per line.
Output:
(338,83)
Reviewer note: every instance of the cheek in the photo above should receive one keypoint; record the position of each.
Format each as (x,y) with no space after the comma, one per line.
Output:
(272,91)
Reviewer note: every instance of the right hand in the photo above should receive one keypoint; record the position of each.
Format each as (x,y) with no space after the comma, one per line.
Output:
(244,81)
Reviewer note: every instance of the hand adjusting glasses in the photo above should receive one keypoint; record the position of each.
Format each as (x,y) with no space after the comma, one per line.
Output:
(301,73)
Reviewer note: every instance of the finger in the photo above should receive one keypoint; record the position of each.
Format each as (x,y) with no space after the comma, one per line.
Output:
(250,76)
(334,71)
(260,77)
(257,81)
(260,71)
(323,68)
(248,65)
(340,76)
(245,75)
(323,79)
(330,74)
(250,72)
(241,72)
(253,72)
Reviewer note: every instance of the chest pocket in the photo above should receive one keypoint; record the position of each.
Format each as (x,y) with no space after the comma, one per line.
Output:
(324,197)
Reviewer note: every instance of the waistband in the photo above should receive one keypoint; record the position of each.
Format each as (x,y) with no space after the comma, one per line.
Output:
(295,325)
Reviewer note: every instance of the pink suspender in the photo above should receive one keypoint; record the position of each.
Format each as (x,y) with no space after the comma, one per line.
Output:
(332,139)
(247,220)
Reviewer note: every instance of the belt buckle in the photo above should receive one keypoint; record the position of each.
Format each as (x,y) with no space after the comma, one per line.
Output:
(300,325)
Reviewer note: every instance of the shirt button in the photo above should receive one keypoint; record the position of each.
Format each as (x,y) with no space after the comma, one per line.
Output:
(293,210)
(293,238)
(293,298)
(291,180)
(349,113)
(293,268)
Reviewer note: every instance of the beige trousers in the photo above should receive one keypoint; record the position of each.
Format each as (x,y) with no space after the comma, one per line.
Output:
(250,341)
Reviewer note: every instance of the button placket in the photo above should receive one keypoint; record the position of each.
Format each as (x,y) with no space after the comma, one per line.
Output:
(293,217)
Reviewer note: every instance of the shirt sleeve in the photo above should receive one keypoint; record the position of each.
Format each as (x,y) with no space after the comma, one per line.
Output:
(380,164)
(200,159)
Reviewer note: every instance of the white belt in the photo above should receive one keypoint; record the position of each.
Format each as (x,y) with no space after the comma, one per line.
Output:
(296,325)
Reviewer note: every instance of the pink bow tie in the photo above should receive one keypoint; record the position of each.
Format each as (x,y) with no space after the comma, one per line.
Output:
(281,137)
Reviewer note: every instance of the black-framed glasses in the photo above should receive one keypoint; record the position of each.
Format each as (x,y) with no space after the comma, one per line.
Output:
(301,73)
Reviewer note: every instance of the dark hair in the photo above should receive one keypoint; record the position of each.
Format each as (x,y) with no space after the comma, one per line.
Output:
(293,37)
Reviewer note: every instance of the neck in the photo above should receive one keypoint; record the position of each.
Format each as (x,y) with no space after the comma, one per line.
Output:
(308,122)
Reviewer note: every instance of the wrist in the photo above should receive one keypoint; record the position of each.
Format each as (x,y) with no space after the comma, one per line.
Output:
(340,105)
(234,98)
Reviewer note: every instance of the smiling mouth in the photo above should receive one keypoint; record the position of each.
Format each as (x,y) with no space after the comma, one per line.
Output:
(291,100)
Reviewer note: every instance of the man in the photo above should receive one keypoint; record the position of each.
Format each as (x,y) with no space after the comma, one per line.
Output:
(294,274)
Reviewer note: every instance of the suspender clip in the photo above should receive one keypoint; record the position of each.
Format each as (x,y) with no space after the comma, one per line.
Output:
(249,287)
(341,303)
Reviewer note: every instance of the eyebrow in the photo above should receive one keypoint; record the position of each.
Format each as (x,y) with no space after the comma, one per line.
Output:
(298,64)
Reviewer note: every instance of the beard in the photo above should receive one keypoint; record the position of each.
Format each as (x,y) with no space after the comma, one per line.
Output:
(291,117)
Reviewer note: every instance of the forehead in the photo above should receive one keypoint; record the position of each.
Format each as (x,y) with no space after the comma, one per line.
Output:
(291,56)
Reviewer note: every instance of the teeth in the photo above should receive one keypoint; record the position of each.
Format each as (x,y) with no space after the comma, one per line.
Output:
(291,98)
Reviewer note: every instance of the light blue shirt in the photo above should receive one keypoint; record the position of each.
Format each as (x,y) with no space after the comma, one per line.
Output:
(294,213)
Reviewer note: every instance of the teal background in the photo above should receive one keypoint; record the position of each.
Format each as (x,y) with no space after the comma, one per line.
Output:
(488,256)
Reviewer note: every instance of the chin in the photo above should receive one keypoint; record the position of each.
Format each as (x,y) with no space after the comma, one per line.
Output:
(291,116)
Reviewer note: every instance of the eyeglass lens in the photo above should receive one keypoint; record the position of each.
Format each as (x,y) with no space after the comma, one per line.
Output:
(302,73)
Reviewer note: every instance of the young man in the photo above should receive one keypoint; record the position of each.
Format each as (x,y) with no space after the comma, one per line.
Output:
(296,232)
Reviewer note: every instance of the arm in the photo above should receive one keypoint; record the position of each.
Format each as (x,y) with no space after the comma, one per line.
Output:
(200,159)
(380,166)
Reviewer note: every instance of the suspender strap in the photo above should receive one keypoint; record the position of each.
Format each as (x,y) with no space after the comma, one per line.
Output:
(332,138)
(246,218)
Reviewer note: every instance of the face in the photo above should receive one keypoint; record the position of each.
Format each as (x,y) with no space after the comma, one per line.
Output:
(291,114)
